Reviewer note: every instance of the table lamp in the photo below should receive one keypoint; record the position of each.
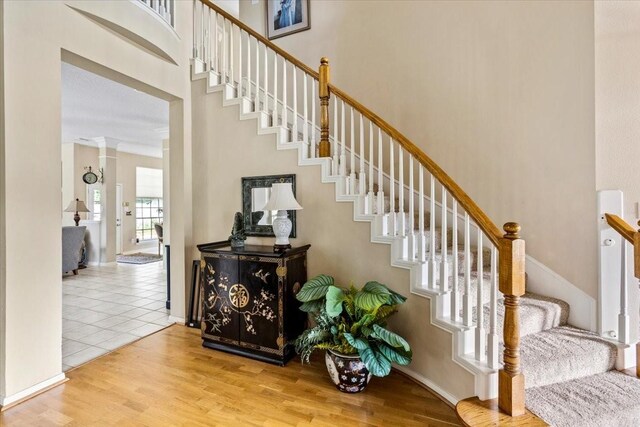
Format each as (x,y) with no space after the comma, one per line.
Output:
(76,206)
(282,200)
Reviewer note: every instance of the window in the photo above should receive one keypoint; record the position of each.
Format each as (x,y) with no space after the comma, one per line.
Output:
(93,199)
(148,213)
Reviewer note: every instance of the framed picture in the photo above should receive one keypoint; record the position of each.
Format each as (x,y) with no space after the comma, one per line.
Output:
(286,17)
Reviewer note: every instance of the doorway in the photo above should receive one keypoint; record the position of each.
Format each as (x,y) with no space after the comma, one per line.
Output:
(118,219)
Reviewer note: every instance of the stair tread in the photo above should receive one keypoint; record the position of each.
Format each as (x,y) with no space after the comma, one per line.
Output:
(537,313)
(562,354)
(606,399)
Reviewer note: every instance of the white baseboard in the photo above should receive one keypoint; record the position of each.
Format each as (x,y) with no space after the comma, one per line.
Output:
(179,320)
(11,400)
(544,281)
(453,400)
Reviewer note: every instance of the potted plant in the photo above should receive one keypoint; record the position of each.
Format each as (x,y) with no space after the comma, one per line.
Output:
(350,324)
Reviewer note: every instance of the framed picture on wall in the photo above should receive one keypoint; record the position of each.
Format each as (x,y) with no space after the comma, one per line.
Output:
(286,17)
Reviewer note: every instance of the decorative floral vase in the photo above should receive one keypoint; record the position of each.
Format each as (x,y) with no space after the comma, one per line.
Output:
(347,372)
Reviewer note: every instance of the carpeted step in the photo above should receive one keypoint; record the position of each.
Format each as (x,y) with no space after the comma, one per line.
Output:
(537,314)
(607,399)
(562,354)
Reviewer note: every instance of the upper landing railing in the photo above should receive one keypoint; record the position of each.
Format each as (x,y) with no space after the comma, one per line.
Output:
(410,194)
(164,8)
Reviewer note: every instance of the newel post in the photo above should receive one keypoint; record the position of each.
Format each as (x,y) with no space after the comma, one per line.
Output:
(324,149)
(512,285)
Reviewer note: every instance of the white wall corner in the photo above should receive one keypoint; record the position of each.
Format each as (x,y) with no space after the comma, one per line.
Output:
(544,281)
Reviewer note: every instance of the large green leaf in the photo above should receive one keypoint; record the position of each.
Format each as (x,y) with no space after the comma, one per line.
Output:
(312,306)
(315,288)
(395,298)
(357,343)
(372,296)
(334,298)
(375,361)
(391,338)
(395,354)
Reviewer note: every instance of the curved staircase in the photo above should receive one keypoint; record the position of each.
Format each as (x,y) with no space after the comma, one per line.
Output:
(456,256)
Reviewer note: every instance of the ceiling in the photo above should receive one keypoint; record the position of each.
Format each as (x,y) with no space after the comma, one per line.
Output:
(94,107)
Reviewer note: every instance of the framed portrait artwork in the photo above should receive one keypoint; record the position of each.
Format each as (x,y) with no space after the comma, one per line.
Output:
(286,17)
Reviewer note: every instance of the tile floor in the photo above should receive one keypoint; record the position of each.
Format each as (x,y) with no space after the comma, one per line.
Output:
(106,307)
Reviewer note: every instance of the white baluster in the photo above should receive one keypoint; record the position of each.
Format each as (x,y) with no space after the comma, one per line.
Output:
(240,83)
(444,263)
(195,31)
(335,163)
(352,162)
(249,81)
(216,49)
(362,178)
(411,214)
(401,219)
(294,127)
(265,85)
(481,336)
(231,75)
(343,149)
(285,109)
(224,51)
(467,318)
(455,300)
(313,118)
(274,117)
(380,195)
(492,356)
(392,191)
(202,32)
(305,115)
(207,42)
(370,196)
(432,234)
(422,244)
(256,106)
(623,317)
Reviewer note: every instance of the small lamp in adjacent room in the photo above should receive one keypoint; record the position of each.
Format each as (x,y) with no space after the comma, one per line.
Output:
(76,206)
(282,200)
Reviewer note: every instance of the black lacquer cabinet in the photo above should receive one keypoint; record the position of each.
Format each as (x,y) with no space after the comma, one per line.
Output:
(249,303)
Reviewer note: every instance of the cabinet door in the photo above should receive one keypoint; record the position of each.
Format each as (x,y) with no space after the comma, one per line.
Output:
(220,321)
(259,317)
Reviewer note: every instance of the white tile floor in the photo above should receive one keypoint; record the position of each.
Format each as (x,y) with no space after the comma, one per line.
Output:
(106,307)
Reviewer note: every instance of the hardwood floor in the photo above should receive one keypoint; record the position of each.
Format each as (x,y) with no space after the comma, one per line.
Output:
(169,379)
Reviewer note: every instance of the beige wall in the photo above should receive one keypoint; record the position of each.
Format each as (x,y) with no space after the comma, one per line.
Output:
(617,50)
(126,165)
(339,246)
(38,35)
(500,94)
(126,175)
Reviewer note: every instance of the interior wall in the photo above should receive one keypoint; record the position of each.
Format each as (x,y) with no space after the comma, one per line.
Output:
(617,50)
(126,175)
(126,165)
(38,35)
(339,246)
(500,94)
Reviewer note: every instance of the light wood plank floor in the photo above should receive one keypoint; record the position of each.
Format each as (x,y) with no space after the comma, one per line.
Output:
(169,379)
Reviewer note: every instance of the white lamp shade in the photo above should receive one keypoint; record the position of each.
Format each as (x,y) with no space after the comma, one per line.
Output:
(282,198)
(77,206)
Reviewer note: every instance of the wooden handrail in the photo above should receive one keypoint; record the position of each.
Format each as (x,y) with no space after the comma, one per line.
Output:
(310,71)
(632,236)
(480,218)
(621,226)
